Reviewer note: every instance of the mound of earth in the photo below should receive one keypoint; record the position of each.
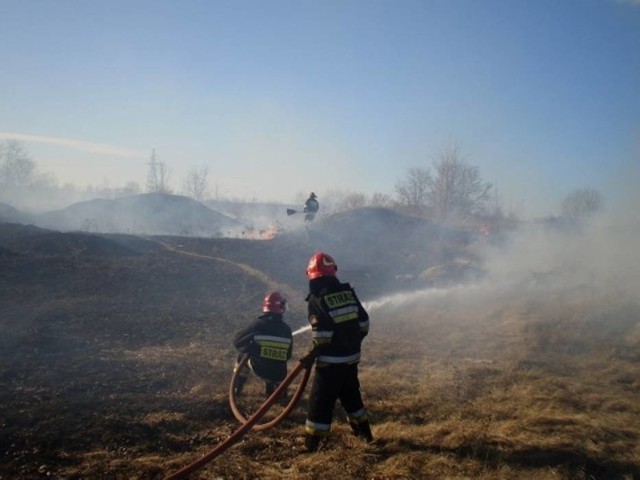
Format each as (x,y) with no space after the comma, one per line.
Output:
(6,253)
(377,249)
(256,216)
(9,214)
(377,239)
(146,214)
(27,239)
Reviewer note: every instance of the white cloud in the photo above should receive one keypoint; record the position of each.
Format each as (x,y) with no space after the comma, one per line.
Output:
(90,147)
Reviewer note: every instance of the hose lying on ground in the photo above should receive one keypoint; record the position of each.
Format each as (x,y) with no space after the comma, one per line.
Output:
(250,422)
(285,412)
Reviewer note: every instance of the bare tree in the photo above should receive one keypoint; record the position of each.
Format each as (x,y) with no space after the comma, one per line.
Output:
(17,168)
(379,199)
(131,188)
(196,184)
(457,188)
(581,203)
(353,200)
(331,201)
(413,189)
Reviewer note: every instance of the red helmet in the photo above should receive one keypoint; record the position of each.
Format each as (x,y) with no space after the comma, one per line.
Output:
(274,302)
(321,265)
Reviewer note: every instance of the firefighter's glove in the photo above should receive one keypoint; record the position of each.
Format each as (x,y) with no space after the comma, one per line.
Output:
(308,359)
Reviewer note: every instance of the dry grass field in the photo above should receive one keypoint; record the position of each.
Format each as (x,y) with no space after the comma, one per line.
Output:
(116,366)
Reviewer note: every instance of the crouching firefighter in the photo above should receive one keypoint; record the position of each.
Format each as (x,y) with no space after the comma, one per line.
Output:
(339,322)
(268,342)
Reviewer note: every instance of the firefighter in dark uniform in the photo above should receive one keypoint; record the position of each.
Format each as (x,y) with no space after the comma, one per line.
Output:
(339,322)
(268,342)
(311,207)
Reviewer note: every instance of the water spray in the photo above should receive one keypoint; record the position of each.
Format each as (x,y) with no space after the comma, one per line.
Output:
(389,299)
(301,330)
(252,422)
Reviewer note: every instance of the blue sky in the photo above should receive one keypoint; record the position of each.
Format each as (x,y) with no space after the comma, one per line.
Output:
(281,97)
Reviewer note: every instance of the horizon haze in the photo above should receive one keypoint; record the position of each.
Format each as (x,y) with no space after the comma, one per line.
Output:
(279,98)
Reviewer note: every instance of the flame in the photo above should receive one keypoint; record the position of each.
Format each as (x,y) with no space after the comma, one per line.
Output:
(263,234)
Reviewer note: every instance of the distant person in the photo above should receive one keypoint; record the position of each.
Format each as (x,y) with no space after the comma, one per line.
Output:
(339,323)
(311,207)
(268,342)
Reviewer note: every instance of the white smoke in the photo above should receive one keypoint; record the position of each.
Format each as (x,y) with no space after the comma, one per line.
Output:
(537,261)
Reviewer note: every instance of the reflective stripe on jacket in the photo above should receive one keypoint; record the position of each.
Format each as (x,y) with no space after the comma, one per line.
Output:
(339,322)
(268,341)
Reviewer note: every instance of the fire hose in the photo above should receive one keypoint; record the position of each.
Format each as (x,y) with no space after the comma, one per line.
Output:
(285,412)
(252,420)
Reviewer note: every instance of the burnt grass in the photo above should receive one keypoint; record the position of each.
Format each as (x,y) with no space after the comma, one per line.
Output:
(115,359)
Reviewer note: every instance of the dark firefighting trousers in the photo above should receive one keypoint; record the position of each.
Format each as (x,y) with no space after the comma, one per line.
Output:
(269,385)
(331,383)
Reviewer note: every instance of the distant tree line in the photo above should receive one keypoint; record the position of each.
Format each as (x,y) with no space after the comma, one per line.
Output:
(452,189)
(19,176)
(581,204)
(17,168)
(449,189)
(195,184)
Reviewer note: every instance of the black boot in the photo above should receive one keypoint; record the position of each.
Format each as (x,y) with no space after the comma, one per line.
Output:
(311,442)
(284,399)
(270,387)
(364,429)
(240,381)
